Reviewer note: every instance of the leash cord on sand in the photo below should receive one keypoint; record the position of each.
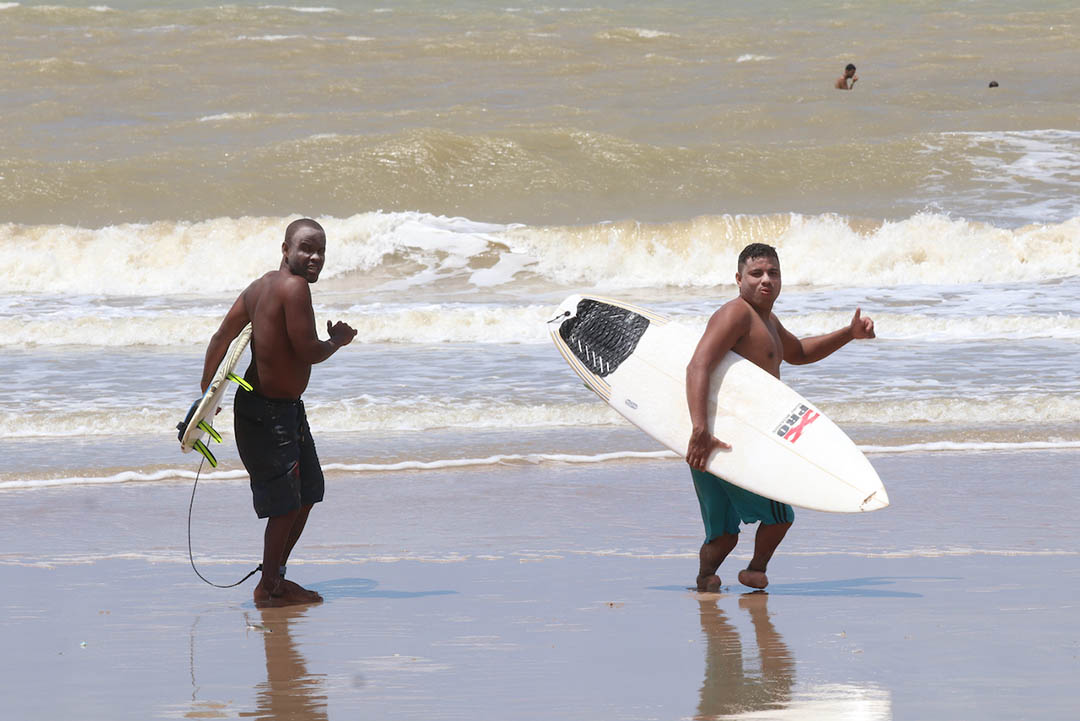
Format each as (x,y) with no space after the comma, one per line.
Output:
(191,556)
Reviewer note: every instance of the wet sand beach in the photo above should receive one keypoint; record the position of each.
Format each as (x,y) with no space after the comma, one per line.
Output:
(948,604)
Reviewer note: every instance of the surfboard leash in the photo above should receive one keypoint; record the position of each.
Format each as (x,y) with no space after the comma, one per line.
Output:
(191,556)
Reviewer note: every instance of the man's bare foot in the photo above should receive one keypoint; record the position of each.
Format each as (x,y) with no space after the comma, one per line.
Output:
(284,593)
(753,579)
(313,595)
(708,584)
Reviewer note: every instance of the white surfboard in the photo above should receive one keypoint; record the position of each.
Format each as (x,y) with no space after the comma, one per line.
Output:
(199,423)
(782,446)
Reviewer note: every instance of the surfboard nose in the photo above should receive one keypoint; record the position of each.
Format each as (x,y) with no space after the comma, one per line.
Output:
(567,309)
(875,501)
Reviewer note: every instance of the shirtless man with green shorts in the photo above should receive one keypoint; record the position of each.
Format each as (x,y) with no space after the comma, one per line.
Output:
(747,326)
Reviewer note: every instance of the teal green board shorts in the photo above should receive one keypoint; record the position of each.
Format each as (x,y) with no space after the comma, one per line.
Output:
(724,506)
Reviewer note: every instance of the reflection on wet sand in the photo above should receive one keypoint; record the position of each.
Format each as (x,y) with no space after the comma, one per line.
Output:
(736,687)
(289,692)
(730,688)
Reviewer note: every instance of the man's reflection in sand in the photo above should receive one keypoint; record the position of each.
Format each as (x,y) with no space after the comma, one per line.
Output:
(289,692)
(730,688)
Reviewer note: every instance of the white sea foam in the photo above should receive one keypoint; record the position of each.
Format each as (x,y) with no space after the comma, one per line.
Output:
(94,325)
(970,446)
(750,58)
(634,34)
(923,249)
(171,474)
(1028,173)
(184,475)
(48,418)
(269,38)
(941,552)
(226,116)
(301,8)
(530,458)
(418,250)
(340,557)
(1034,408)
(174,474)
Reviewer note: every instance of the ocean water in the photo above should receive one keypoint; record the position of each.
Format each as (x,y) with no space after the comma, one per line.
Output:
(473,163)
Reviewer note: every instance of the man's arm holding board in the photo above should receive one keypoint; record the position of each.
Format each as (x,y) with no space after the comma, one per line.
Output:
(230,327)
(723,331)
(800,351)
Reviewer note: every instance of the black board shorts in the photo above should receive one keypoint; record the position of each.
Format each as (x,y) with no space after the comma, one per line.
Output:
(278,452)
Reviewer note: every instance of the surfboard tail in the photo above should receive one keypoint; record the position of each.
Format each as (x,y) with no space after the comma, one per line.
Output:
(182,426)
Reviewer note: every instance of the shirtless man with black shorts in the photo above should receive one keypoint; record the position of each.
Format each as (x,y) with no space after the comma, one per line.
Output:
(747,326)
(271,428)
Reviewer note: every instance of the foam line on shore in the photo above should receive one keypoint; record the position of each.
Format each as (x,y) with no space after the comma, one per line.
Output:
(945,446)
(228,475)
(526,556)
(173,474)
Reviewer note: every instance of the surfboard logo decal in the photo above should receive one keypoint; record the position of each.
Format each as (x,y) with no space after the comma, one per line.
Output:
(792,427)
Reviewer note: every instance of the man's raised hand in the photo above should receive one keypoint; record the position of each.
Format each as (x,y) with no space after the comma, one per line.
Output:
(861,327)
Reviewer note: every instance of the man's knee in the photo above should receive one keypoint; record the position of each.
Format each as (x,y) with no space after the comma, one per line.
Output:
(775,528)
(286,516)
(724,540)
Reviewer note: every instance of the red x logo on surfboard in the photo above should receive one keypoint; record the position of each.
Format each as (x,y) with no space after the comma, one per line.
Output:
(791,428)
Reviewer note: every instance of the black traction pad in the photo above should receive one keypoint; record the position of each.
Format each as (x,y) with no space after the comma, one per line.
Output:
(602,336)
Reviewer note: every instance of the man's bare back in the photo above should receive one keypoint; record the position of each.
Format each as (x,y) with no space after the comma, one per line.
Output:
(276,369)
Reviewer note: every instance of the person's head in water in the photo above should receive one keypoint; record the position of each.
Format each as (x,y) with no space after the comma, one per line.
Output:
(848,79)
(304,249)
(758,276)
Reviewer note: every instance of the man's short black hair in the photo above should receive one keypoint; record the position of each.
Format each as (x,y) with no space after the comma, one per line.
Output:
(757,250)
(850,66)
(301,223)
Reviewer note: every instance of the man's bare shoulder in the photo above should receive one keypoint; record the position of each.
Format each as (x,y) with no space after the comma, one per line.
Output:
(732,319)
(735,310)
(261,283)
(283,285)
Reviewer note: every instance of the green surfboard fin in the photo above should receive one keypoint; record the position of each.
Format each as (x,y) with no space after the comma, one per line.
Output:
(239,381)
(201,448)
(210,429)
